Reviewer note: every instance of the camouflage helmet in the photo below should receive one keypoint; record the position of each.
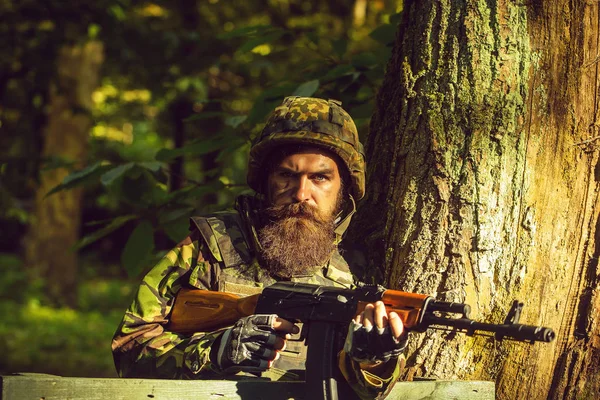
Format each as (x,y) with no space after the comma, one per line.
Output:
(311,121)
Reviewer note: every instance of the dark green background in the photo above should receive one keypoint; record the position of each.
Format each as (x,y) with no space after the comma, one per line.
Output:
(215,68)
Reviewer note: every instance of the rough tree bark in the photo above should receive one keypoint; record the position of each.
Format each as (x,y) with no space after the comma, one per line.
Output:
(55,226)
(483,185)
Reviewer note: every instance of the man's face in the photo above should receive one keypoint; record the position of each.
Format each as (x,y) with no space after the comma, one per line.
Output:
(304,191)
(309,176)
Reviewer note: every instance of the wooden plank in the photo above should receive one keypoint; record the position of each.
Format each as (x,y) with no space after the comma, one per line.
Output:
(49,387)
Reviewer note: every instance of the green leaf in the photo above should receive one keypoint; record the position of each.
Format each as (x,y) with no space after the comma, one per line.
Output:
(235,120)
(245,31)
(205,115)
(313,36)
(81,177)
(230,120)
(376,73)
(337,72)
(383,54)
(173,215)
(110,176)
(117,11)
(198,147)
(192,83)
(268,38)
(395,19)
(340,46)
(307,89)
(277,93)
(153,166)
(140,189)
(195,192)
(93,31)
(98,222)
(138,248)
(78,175)
(177,230)
(114,225)
(384,34)
(212,187)
(56,162)
(364,60)
(363,111)
(267,101)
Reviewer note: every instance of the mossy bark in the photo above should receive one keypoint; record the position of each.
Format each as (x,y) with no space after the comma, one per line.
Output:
(477,190)
(55,225)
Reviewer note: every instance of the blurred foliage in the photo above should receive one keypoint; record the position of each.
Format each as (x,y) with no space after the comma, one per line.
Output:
(37,338)
(62,341)
(185,86)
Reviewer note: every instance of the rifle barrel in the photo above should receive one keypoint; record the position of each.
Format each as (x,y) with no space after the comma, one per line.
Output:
(513,331)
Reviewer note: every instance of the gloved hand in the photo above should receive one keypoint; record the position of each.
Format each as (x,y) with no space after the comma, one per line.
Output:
(252,344)
(374,336)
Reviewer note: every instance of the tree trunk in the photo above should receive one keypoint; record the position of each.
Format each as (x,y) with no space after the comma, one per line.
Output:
(483,186)
(55,226)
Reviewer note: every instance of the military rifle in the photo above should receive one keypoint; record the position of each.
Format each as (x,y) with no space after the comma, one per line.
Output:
(325,311)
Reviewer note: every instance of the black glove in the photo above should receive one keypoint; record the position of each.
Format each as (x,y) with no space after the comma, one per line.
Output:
(373,344)
(248,345)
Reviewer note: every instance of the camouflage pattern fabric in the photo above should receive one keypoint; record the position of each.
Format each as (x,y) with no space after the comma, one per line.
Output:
(367,385)
(219,255)
(310,121)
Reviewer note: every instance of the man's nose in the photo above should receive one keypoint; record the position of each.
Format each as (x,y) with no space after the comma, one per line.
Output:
(302,190)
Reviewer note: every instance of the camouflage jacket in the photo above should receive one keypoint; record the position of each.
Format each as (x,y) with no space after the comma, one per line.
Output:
(219,254)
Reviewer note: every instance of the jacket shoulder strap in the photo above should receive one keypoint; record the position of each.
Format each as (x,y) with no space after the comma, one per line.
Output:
(225,236)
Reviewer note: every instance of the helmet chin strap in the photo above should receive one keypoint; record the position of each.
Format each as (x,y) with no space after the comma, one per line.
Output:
(343,223)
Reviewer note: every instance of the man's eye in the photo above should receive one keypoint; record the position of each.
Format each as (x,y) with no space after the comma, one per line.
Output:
(320,178)
(285,174)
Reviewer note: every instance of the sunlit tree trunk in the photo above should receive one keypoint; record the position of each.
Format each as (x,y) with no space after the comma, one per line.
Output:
(483,186)
(55,225)
(359,12)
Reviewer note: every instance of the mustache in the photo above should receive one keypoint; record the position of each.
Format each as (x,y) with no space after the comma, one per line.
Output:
(295,210)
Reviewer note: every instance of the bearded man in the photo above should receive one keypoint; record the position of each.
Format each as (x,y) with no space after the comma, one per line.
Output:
(307,167)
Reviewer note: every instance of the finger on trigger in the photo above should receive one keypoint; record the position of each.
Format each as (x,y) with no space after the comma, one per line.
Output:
(396,324)
(380,315)
(368,316)
(283,325)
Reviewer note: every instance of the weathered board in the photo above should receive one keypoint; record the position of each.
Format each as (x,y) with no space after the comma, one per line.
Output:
(51,387)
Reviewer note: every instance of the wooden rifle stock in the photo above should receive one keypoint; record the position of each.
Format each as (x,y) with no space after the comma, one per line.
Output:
(198,310)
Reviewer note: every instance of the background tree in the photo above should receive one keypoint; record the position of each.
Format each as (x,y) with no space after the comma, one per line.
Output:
(55,221)
(483,185)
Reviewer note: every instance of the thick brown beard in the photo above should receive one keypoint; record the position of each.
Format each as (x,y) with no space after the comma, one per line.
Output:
(296,240)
